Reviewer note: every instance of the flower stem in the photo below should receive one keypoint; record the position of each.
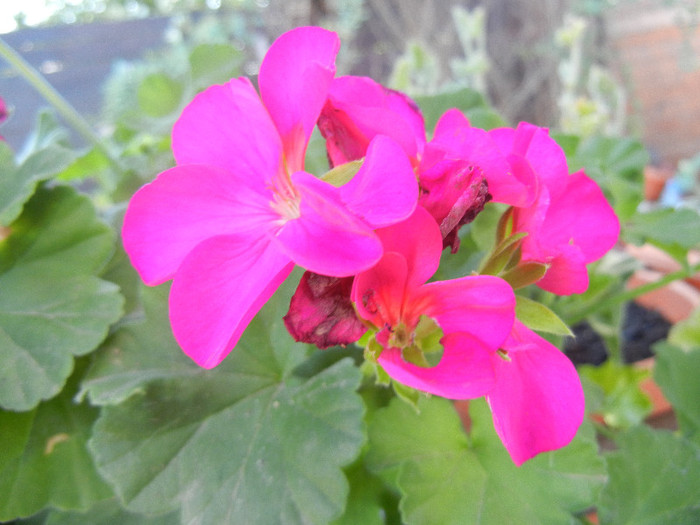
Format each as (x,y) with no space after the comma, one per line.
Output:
(60,104)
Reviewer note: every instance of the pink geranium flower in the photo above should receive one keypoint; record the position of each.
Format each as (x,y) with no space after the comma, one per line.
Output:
(451,167)
(475,313)
(228,223)
(568,219)
(532,388)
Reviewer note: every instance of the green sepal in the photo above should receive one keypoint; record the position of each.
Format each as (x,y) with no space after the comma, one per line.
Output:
(504,256)
(427,335)
(524,274)
(412,354)
(408,395)
(505,225)
(342,174)
(540,318)
(382,377)
(374,372)
(372,350)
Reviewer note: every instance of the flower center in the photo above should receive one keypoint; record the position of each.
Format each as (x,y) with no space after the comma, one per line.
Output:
(286,201)
(420,346)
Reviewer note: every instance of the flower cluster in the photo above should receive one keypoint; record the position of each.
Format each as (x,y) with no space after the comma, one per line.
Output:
(228,223)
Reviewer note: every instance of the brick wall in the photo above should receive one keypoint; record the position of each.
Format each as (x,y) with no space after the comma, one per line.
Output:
(658,56)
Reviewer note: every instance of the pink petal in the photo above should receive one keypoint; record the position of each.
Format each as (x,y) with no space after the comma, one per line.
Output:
(419,241)
(456,139)
(530,219)
(464,372)
(182,207)
(294,79)
(537,402)
(385,190)
(360,109)
(218,289)
(567,273)
(454,191)
(379,292)
(445,183)
(581,216)
(482,305)
(345,141)
(326,238)
(545,156)
(228,127)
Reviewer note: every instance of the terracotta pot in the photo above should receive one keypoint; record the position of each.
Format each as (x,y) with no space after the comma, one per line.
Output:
(654,181)
(674,301)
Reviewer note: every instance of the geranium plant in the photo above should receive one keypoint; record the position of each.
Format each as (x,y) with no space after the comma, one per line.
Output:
(312,359)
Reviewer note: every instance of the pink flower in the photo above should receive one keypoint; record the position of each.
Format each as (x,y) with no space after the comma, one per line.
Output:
(568,220)
(532,388)
(474,313)
(537,400)
(3,114)
(230,220)
(358,109)
(451,168)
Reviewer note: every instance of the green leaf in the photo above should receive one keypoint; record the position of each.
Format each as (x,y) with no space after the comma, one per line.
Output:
(90,164)
(485,118)
(675,231)
(137,354)
(214,63)
(446,477)
(18,183)
(654,479)
(52,307)
(52,467)
(686,334)
(47,132)
(538,317)
(365,504)
(677,371)
(107,512)
(159,95)
(247,442)
(624,404)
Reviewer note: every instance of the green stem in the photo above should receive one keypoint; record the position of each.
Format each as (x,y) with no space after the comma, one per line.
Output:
(629,295)
(53,97)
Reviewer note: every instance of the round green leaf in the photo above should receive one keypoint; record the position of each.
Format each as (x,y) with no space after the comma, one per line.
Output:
(159,95)
(18,183)
(677,371)
(52,466)
(654,479)
(52,307)
(214,63)
(107,512)
(247,442)
(446,477)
